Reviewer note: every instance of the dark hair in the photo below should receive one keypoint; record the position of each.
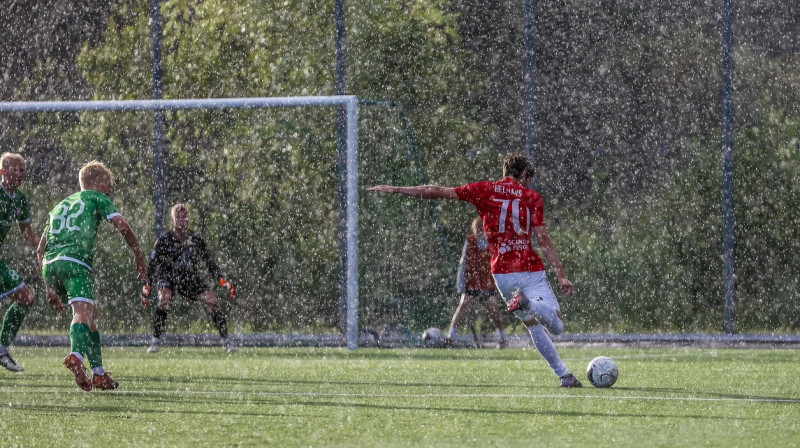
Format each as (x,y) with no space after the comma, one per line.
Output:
(514,165)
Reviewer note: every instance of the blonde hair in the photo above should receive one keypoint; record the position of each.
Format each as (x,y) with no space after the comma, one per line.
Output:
(176,207)
(10,156)
(93,171)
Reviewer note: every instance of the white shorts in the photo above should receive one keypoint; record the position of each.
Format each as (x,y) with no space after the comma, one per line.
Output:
(543,303)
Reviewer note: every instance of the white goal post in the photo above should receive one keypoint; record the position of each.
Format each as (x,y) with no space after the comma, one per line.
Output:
(350,102)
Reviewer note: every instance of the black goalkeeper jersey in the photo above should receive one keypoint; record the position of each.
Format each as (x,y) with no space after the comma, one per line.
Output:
(178,260)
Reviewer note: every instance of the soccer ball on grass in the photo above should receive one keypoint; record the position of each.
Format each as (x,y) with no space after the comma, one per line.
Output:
(602,372)
(433,337)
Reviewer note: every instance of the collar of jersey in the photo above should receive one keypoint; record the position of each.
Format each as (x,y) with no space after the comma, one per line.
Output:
(514,180)
(12,196)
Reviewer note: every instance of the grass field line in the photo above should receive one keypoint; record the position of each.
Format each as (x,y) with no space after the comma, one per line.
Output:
(424,395)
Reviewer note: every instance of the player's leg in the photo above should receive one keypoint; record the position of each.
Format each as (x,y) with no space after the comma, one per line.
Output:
(12,287)
(458,316)
(218,318)
(544,305)
(80,341)
(541,300)
(78,283)
(160,317)
(100,378)
(491,307)
(517,286)
(85,339)
(54,275)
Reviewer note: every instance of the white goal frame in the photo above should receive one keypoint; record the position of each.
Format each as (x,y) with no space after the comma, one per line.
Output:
(349,102)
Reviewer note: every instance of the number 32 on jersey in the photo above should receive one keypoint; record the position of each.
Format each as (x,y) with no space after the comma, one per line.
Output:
(62,220)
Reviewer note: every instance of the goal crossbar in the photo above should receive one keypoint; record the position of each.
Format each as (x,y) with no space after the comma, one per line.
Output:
(349,102)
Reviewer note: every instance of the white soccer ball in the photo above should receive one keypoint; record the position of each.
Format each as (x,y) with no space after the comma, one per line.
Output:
(602,372)
(433,337)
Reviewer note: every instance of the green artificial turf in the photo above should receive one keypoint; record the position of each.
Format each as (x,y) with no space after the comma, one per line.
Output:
(192,397)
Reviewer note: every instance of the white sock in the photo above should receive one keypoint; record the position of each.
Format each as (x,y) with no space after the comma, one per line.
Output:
(99,370)
(3,350)
(546,347)
(78,355)
(155,341)
(452,333)
(502,333)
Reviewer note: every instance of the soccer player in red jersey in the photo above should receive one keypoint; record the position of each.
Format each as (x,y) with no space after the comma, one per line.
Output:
(475,282)
(512,214)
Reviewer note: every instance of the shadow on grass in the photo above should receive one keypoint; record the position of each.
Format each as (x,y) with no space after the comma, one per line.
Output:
(697,394)
(171,384)
(151,404)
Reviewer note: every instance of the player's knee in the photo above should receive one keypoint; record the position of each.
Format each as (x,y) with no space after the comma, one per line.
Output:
(213,307)
(164,298)
(556,327)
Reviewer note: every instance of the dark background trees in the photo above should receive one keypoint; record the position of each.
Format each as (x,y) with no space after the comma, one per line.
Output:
(627,119)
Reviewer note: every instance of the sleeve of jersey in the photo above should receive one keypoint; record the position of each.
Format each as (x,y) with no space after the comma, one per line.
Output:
(24,211)
(537,214)
(106,208)
(471,192)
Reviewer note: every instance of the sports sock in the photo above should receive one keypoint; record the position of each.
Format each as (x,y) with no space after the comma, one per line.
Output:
(99,370)
(95,353)
(546,347)
(12,321)
(79,338)
(501,333)
(159,323)
(452,333)
(219,321)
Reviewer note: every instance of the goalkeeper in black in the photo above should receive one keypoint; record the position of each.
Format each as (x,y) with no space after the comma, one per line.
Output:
(173,268)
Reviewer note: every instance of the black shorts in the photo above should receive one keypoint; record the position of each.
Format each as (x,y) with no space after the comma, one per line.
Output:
(190,286)
(481,294)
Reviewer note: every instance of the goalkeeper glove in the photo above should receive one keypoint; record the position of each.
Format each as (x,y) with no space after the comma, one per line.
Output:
(145,295)
(229,286)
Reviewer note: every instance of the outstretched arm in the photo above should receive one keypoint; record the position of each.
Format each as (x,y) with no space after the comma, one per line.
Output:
(130,239)
(420,191)
(550,254)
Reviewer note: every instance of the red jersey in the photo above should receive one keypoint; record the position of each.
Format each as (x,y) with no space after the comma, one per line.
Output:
(473,271)
(509,212)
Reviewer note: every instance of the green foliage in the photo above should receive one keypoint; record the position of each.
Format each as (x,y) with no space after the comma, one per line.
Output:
(658,265)
(262,185)
(640,233)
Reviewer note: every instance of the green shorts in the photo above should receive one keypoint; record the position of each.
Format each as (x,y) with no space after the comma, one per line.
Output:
(71,281)
(10,281)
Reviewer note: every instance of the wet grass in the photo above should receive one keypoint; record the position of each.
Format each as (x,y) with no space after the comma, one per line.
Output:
(370,397)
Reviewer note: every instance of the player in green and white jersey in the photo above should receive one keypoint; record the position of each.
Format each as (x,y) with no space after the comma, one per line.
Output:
(13,209)
(65,255)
